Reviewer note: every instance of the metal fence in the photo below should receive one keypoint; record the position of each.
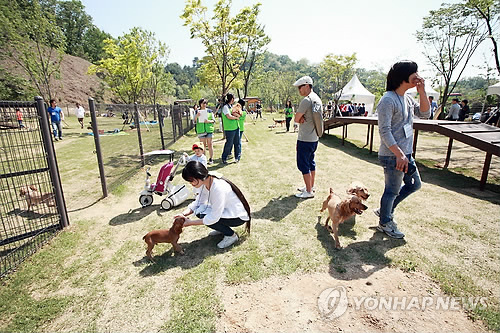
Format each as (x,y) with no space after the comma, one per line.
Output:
(32,206)
(129,131)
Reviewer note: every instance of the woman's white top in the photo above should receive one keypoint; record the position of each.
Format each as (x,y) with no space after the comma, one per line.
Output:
(219,202)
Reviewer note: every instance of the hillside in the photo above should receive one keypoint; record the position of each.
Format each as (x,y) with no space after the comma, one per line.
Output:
(75,85)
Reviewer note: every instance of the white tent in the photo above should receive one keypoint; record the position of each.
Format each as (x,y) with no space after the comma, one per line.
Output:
(494,89)
(355,92)
(428,90)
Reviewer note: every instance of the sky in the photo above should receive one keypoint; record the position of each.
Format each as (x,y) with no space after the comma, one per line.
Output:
(380,32)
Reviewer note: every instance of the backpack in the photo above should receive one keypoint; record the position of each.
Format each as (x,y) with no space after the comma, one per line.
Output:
(317,114)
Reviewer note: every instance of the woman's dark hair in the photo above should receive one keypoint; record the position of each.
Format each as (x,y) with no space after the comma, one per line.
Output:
(288,104)
(228,98)
(196,170)
(202,101)
(399,73)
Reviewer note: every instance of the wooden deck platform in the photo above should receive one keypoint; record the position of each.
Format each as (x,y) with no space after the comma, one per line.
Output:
(475,134)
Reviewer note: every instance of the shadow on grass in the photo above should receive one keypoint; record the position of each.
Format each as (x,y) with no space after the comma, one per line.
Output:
(441,177)
(357,260)
(194,254)
(277,208)
(136,214)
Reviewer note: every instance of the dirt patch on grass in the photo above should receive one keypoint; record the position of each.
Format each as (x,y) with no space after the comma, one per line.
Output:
(288,304)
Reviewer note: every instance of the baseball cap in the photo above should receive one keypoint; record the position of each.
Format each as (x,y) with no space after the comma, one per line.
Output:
(197,145)
(303,80)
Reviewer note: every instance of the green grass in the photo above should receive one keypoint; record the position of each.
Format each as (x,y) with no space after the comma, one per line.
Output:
(95,269)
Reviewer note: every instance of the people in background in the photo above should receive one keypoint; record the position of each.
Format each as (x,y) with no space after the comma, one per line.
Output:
(464,111)
(56,116)
(288,114)
(231,130)
(454,110)
(19,116)
(433,105)
(80,113)
(205,127)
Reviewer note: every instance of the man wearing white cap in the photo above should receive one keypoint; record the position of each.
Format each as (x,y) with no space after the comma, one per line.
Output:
(307,140)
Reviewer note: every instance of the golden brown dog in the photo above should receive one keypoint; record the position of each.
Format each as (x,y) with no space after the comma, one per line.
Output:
(34,198)
(340,210)
(358,189)
(165,236)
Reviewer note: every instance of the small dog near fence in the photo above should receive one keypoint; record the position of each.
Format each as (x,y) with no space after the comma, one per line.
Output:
(34,197)
(165,236)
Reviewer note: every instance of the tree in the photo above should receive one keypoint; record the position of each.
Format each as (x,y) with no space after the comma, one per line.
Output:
(449,41)
(74,22)
(488,11)
(222,37)
(127,67)
(31,39)
(335,71)
(252,44)
(93,44)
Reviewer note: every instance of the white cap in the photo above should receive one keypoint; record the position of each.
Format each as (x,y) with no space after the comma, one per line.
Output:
(303,80)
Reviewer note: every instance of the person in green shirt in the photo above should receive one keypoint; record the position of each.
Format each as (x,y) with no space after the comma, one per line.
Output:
(288,114)
(241,121)
(204,120)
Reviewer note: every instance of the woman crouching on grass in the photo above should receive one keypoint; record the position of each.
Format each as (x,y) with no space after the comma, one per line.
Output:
(220,204)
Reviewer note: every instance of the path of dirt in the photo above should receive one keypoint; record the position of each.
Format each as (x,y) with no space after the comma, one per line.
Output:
(290,304)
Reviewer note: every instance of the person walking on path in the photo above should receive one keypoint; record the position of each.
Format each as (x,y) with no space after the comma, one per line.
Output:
(56,116)
(80,113)
(288,114)
(396,110)
(307,140)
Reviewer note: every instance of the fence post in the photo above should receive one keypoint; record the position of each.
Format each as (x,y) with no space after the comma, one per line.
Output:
(174,131)
(52,162)
(97,143)
(160,120)
(138,126)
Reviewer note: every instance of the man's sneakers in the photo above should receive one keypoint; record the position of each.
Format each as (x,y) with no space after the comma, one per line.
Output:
(305,195)
(227,241)
(210,161)
(391,230)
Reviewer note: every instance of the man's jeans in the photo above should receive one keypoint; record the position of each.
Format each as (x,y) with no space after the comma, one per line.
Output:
(56,127)
(394,193)
(232,139)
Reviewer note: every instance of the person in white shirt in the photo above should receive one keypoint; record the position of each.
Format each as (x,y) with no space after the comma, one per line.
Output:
(80,113)
(220,204)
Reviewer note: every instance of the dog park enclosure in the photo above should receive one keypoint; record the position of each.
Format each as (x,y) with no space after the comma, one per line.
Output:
(28,159)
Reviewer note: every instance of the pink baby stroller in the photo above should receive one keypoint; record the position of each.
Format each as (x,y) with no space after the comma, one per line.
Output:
(163,186)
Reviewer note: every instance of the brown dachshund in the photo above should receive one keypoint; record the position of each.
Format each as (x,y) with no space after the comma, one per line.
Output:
(34,198)
(358,189)
(165,236)
(340,210)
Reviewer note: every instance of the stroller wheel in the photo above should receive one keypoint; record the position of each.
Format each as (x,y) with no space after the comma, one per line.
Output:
(167,204)
(146,200)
